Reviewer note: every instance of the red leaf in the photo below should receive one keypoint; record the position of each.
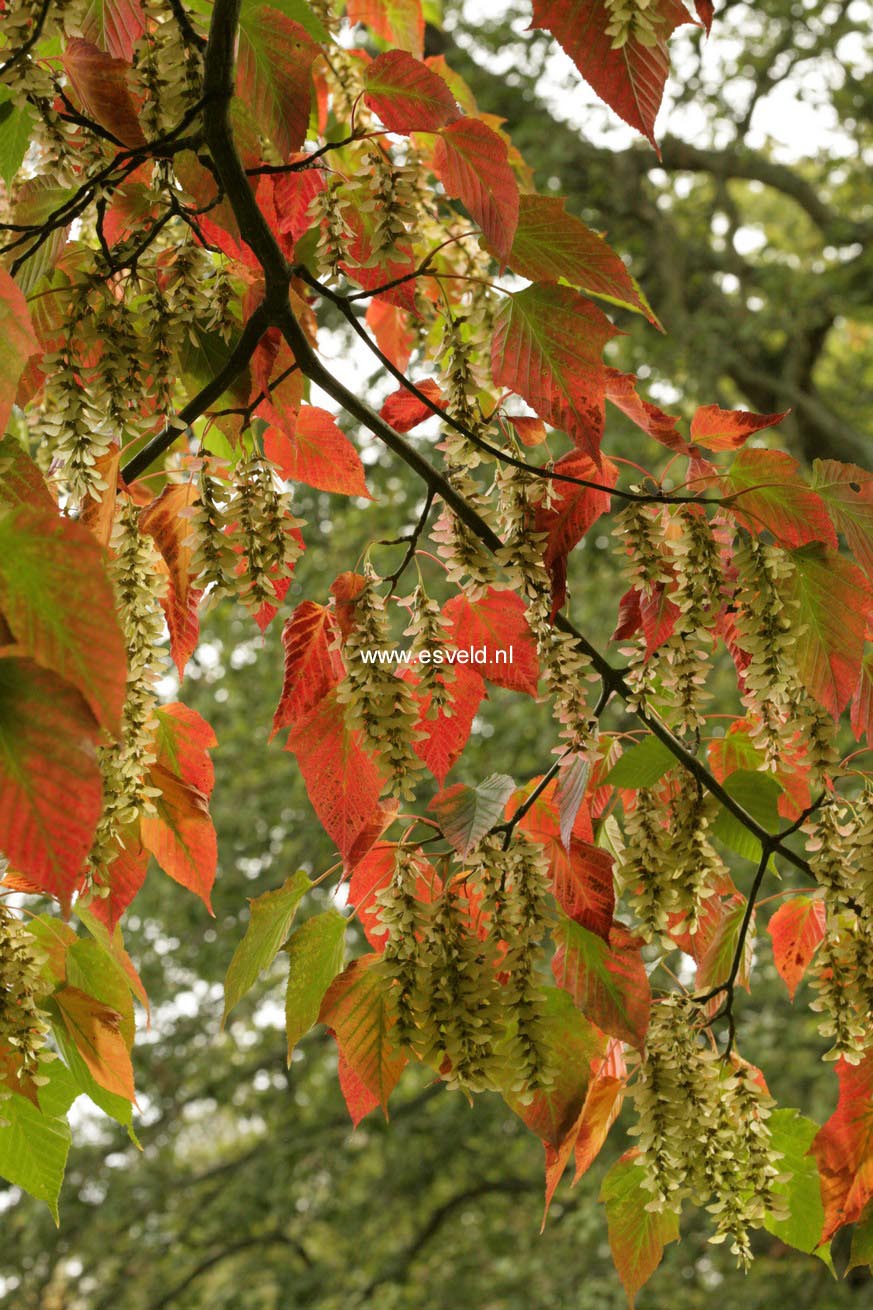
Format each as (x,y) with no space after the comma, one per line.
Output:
(653,614)
(572,511)
(797,929)
(631,80)
(114,25)
(471,161)
(95,1031)
(313,664)
(19,342)
(57,599)
(862,702)
(341,779)
(124,877)
(404,411)
(551,245)
(446,735)
(770,494)
(356,1010)
(406,95)
(607,979)
(51,793)
(547,347)
(293,193)
(399,22)
(345,590)
(495,626)
(835,599)
(727,429)
(318,454)
(844,1148)
(274,75)
(705,12)
(621,391)
(390,326)
(100,83)
(183,625)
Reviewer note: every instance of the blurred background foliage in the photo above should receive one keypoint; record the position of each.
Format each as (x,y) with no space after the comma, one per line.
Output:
(752,239)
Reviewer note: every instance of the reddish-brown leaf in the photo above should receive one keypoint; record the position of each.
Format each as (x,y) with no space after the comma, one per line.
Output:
(19,342)
(183,625)
(551,245)
(313,664)
(293,193)
(631,80)
(471,161)
(862,702)
(844,1148)
(274,75)
(100,84)
(404,411)
(493,628)
(407,95)
(728,429)
(95,1030)
(51,792)
(341,779)
(399,22)
(547,347)
(318,454)
(356,1010)
(345,590)
(797,929)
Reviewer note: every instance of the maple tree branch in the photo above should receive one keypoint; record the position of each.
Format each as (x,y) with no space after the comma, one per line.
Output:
(234,1248)
(234,365)
(276,310)
(412,542)
(190,35)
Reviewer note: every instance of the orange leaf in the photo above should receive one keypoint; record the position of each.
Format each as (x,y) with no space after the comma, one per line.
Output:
(496,630)
(356,1010)
(19,342)
(95,1030)
(797,929)
(313,664)
(318,453)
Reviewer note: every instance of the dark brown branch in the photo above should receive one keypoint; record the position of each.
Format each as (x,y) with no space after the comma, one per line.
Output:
(234,365)
(226,1253)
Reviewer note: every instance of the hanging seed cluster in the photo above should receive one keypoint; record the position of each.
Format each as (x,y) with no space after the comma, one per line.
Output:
(463,966)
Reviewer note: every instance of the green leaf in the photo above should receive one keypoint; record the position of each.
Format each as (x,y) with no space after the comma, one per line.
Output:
(862,1242)
(270,921)
(553,246)
(834,598)
(643,765)
(33,1150)
(297,10)
(637,1237)
(274,74)
(356,1009)
(793,1135)
(315,957)
(56,597)
(758,793)
(38,199)
(848,493)
(16,129)
(117,1107)
(93,970)
(465,814)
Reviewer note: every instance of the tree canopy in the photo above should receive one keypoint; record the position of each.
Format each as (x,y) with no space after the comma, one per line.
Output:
(654,748)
